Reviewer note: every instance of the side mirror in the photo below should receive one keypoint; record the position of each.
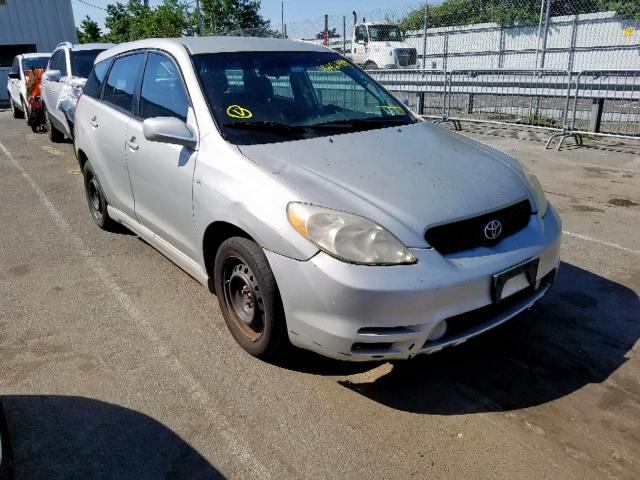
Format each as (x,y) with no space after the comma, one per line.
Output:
(14,76)
(169,130)
(53,75)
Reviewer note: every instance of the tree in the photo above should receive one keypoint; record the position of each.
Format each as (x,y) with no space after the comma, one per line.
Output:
(89,31)
(234,16)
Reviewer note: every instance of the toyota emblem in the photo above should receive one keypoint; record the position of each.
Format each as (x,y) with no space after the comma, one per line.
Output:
(493,229)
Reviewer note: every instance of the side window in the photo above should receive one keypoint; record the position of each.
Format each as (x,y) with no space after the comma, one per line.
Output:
(121,82)
(360,35)
(58,62)
(162,94)
(14,66)
(96,77)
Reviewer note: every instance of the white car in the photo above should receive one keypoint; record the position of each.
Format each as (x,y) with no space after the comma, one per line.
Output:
(67,62)
(321,210)
(17,85)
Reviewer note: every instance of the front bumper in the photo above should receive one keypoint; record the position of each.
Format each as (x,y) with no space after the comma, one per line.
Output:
(360,313)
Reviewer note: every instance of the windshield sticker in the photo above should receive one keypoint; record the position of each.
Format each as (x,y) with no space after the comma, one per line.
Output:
(334,66)
(391,109)
(236,111)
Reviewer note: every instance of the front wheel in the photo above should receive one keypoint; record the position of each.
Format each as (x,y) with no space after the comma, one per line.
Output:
(15,113)
(55,135)
(249,298)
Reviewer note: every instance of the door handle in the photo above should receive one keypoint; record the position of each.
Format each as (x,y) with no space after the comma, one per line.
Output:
(93,121)
(131,143)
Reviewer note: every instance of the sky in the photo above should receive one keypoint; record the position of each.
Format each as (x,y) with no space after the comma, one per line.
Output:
(299,15)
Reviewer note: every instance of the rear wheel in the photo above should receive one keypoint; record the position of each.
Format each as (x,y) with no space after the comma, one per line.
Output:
(55,135)
(5,450)
(96,199)
(249,298)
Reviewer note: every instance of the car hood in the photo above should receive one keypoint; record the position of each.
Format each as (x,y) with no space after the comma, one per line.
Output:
(404,178)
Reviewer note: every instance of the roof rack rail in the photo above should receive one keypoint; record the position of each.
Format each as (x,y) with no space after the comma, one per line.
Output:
(64,44)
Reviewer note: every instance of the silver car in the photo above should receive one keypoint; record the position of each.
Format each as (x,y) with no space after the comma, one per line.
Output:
(319,209)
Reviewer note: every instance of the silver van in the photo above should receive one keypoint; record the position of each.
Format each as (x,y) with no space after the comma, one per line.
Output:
(317,207)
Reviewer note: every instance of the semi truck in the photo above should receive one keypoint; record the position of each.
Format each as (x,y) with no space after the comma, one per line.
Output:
(380,45)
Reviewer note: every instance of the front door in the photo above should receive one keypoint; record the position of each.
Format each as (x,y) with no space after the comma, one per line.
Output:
(161,173)
(51,90)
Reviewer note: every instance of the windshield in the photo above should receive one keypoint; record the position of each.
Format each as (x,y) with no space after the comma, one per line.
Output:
(34,62)
(263,97)
(385,33)
(82,61)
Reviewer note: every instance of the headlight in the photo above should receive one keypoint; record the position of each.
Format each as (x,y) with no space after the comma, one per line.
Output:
(536,187)
(348,237)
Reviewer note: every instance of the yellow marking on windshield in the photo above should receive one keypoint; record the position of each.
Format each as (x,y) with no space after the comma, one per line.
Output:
(334,66)
(236,111)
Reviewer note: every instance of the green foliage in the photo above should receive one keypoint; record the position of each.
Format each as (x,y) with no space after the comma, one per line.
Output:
(89,31)
(229,16)
(175,18)
(510,12)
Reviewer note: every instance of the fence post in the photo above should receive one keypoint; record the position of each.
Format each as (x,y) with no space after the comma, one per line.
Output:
(545,35)
(421,106)
(424,35)
(344,35)
(597,105)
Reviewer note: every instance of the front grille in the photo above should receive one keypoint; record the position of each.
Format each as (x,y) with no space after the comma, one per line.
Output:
(406,56)
(470,233)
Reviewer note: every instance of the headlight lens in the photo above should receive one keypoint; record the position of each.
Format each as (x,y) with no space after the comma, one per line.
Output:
(536,187)
(348,237)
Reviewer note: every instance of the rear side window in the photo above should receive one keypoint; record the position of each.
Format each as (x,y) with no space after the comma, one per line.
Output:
(96,77)
(162,94)
(82,61)
(122,80)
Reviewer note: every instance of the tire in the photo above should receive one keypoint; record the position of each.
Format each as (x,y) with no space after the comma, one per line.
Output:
(14,111)
(95,199)
(55,135)
(370,66)
(6,458)
(249,298)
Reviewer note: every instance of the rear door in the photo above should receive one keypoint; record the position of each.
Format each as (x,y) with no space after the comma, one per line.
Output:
(162,174)
(108,119)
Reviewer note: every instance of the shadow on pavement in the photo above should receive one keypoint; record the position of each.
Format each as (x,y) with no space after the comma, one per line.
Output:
(60,437)
(577,335)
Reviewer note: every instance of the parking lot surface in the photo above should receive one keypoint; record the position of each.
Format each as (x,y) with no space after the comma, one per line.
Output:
(116,364)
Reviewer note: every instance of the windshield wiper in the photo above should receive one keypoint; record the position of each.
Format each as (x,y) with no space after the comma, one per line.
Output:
(362,122)
(265,126)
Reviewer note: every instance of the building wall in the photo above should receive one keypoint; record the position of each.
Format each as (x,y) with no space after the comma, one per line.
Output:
(43,23)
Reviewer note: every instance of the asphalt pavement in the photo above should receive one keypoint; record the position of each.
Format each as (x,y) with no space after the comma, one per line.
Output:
(115,364)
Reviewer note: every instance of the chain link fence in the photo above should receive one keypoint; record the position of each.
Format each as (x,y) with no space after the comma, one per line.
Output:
(571,35)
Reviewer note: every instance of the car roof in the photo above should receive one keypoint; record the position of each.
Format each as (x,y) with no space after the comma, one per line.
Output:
(34,55)
(198,45)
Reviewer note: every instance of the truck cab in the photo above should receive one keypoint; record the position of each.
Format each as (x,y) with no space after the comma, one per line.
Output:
(381,45)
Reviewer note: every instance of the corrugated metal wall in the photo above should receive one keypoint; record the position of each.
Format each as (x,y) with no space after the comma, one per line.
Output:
(44,23)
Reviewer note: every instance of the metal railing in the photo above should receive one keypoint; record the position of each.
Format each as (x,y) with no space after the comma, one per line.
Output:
(533,97)
(572,105)
(423,90)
